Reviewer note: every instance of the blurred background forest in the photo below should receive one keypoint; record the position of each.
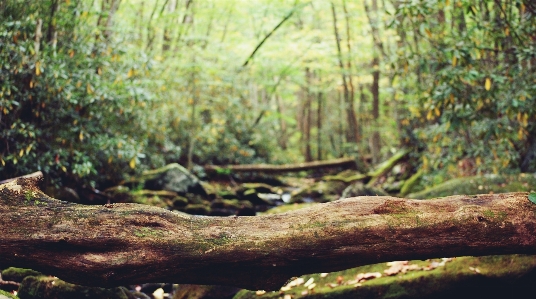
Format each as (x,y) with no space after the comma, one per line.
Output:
(92,91)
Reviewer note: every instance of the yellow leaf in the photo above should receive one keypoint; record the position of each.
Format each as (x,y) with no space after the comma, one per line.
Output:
(478,161)
(28,149)
(520,133)
(454,60)
(78,84)
(473,8)
(81,136)
(428,32)
(447,126)
(21,153)
(525,120)
(3,162)
(507,31)
(130,73)
(447,3)
(190,101)
(38,68)
(63,168)
(430,115)
(487,85)
(110,159)
(15,161)
(120,144)
(132,163)
(522,9)
(89,89)
(437,112)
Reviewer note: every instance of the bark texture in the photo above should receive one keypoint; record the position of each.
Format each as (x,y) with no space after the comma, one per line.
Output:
(117,244)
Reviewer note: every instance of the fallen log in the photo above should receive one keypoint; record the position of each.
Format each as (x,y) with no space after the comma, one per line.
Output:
(270,168)
(117,244)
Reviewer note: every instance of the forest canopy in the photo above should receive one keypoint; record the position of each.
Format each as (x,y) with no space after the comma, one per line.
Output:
(93,91)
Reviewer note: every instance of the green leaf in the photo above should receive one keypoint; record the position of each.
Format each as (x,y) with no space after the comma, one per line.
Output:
(532,197)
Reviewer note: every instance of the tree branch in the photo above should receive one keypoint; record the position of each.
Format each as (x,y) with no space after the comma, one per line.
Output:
(270,33)
(119,244)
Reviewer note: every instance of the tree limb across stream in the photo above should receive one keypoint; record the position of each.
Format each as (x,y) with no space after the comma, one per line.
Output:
(119,244)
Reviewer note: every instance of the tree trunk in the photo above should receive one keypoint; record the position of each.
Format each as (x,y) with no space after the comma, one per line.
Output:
(119,244)
(349,102)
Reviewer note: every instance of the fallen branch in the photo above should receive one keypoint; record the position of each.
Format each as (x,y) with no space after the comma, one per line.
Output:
(119,244)
(269,168)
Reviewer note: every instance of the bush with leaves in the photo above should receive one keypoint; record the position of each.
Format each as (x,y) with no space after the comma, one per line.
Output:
(468,71)
(68,103)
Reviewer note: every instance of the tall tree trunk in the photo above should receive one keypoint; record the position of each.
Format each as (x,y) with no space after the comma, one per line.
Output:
(172,6)
(307,116)
(349,103)
(375,141)
(282,140)
(319,99)
(356,126)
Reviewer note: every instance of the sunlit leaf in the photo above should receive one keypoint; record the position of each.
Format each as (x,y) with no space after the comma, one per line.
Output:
(132,163)
(38,68)
(487,85)
(81,136)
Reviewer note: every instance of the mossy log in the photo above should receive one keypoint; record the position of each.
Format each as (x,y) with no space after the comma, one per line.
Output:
(117,244)
(269,168)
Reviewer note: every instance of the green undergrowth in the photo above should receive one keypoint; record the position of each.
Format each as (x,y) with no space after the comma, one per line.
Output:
(464,277)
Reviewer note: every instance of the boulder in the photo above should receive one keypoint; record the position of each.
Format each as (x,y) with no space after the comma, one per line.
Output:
(172,177)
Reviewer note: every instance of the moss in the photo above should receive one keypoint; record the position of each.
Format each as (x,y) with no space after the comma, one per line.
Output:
(410,183)
(18,274)
(4,295)
(479,185)
(288,208)
(52,288)
(499,277)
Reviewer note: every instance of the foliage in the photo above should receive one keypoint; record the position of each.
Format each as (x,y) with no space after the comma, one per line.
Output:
(467,71)
(67,99)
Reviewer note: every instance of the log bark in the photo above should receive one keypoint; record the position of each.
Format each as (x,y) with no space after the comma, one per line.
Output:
(117,244)
(269,168)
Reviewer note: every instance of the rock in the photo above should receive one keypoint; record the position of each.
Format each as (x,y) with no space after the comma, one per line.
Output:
(18,274)
(192,291)
(33,287)
(197,209)
(358,189)
(119,194)
(172,177)
(321,191)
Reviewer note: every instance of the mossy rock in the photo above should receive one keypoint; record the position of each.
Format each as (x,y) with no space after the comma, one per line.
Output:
(480,185)
(6,295)
(490,277)
(321,191)
(226,194)
(346,176)
(33,287)
(194,291)
(18,274)
(197,209)
(172,177)
(179,202)
(358,189)
(119,194)
(254,188)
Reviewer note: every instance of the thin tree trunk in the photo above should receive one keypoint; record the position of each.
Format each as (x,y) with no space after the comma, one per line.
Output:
(319,116)
(282,123)
(350,111)
(307,116)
